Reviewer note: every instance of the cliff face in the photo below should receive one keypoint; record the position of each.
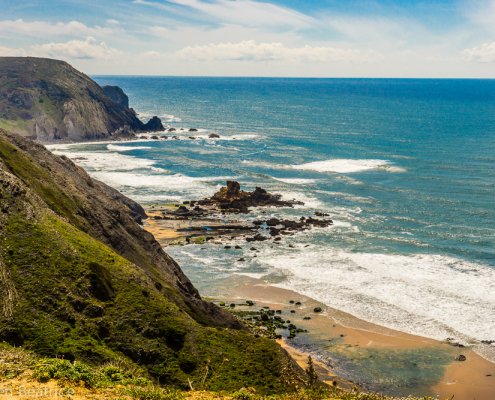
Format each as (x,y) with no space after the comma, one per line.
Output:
(48,100)
(81,279)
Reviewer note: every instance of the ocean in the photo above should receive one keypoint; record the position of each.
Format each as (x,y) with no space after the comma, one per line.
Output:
(404,167)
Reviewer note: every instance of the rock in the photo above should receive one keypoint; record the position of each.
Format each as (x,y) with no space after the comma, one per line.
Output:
(232,198)
(227,247)
(298,303)
(172,129)
(237,247)
(317,309)
(154,137)
(461,357)
(192,137)
(193,130)
(241,259)
(154,125)
(257,238)
(307,318)
(250,303)
(213,136)
(117,95)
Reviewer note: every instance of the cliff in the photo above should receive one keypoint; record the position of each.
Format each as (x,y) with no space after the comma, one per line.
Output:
(48,100)
(81,279)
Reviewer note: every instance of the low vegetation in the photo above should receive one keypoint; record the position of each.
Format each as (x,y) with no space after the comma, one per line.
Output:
(121,380)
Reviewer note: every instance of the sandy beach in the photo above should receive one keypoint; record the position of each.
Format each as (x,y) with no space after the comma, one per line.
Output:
(471,379)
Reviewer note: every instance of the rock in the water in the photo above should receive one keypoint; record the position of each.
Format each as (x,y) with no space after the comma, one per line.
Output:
(317,309)
(213,136)
(232,198)
(193,130)
(461,357)
(154,125)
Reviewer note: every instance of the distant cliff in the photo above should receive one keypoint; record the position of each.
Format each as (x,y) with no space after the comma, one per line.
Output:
(48,100)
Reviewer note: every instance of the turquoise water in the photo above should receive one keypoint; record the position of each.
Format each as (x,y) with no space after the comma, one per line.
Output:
(406,168)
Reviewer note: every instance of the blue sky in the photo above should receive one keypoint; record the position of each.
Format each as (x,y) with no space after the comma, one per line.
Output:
(329,38)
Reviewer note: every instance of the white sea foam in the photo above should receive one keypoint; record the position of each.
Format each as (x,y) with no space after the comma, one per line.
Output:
(114,147)
(344,166)
(104,161)
(428,295)
(308,200)
(296,181)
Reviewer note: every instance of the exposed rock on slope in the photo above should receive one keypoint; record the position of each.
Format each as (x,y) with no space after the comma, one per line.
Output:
(48,100)
(81,279)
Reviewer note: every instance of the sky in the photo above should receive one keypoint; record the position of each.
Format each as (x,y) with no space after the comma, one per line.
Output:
(291,38)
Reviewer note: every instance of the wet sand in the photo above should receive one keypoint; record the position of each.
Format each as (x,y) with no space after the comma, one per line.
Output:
(465,380)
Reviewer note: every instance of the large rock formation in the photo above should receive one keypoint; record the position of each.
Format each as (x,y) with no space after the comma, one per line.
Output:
(81,279)
(48,100)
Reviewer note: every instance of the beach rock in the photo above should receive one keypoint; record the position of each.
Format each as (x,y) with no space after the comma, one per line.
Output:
(213,136)
(461,357)
(317,309)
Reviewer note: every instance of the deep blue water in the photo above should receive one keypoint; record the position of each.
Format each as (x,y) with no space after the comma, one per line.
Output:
(405,167)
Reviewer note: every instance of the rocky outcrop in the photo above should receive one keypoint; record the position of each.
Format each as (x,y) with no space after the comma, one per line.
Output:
(48,100)
(232,198)
(154,125)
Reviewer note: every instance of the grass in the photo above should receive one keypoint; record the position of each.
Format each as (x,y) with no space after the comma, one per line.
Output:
(122,380)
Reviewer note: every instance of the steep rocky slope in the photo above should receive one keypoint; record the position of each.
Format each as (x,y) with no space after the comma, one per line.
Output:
(48,100)
(81,279)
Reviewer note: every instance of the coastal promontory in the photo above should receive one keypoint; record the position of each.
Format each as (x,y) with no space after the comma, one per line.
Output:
(48,100)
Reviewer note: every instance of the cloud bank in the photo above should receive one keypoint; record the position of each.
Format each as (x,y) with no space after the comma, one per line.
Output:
(249,50)
(484,53)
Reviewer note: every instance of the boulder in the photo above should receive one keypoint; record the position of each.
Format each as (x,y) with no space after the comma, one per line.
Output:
(154,125)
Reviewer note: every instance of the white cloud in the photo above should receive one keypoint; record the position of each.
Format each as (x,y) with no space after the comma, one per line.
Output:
(484,53)
(89,48)
(11,52)
(247,13)
(250,50)
(44,28)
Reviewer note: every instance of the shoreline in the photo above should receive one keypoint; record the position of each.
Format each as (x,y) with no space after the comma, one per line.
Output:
(352,337)
(463,379)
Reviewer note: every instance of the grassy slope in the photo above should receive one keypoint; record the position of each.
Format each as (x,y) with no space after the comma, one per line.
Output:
(119,380)
(72,296)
